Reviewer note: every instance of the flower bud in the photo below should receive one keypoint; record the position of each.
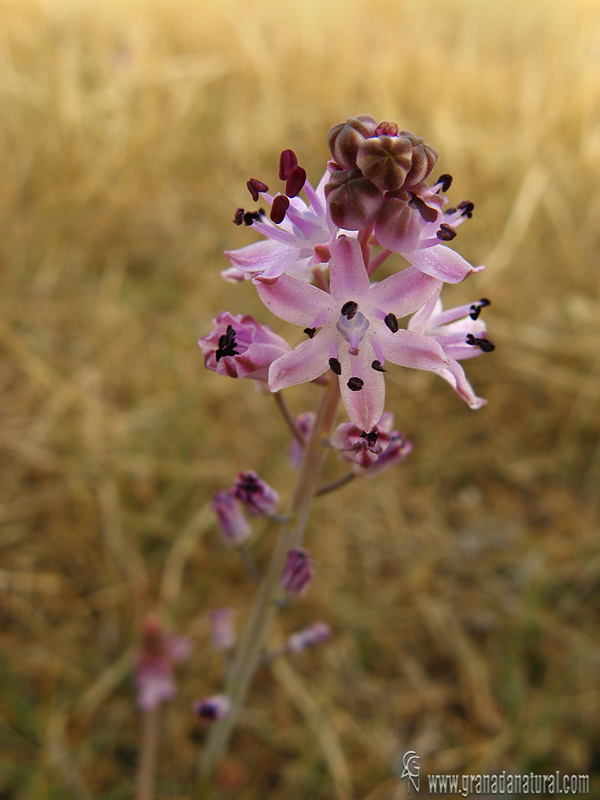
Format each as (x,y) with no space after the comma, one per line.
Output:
(309,637)
(385,161)
(211,709)
(424,158)
(234,525)
(403,219)
(298,572)
(222,630)
(241,347)
(345,139)
(304,424)
(353,201)
(257,497)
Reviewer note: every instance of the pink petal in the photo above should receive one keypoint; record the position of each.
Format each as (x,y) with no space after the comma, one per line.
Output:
(305,363)
(404,292)
(364,407)
(261,256)
(294,301)
(455,375)
(441,262)
(409,349)
(347,271)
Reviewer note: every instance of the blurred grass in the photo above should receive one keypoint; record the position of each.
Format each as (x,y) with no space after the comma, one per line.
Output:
(463,587)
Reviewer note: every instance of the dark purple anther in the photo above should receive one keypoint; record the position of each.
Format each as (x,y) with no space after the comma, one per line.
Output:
(279,207)
(255,186)
(355,384)
(287,161)
(335,366)
(295,181)
(392,322)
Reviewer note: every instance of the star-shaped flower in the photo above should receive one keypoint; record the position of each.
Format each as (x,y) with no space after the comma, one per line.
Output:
(461,333)
(359,329)
(294,246)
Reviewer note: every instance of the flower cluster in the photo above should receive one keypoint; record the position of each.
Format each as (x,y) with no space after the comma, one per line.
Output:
(314,268)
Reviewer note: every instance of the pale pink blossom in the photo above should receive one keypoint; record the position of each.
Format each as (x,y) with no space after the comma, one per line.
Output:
(234,525)
(298,572)
(374,451)
(295,245)
(317,633)
(155,663)
(359,329)
(211,709)
(241,347)
(257,497)
(222,630)
(461,333)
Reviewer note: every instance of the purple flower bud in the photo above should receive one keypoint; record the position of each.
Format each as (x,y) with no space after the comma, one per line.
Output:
(211,709)
(424,159)
(223,633)
(258,498)
(241,347)
(405,218)
(155,663)
(372,451)
(318,632)
(233,523)
(298,572)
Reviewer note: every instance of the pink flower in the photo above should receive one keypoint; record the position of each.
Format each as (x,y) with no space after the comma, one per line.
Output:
(257,497)
(295,244)
(461,333)
(222,630)
(412,224)
(359,329)
(372,451)
(155,663)
(298,572)
(241,347)
(304,424)
(309,637)
(211,709)
(234,525)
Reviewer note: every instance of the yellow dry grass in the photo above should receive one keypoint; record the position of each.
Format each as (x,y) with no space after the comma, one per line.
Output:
(463,587)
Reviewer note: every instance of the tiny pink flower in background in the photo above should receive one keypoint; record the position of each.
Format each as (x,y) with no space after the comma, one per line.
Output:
(298,572)
(461,333)
(234,525)
(297,234)
(222,630)
(304,424)
(317,633)
(211,709)
(241,347)
(372,451)
(359,329)
(257,497)
(155,663)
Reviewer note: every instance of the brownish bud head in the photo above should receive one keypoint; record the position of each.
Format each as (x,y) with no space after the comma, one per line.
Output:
(423,161)
(385,161)
(353,201)
(345,139)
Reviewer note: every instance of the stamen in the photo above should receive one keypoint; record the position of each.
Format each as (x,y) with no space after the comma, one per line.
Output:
(450,211)
(279,207)
(227,344)
(251,216)
(335,366)
(476,307)
(484,344)
(444,182)
(429,214)
(238,216)
(255,186)
(376,365)
(371,437)
(287,161)
(392,322)
(295,181)
(446,232)
(355,384)
(310,332)
(349,309)
(466,207)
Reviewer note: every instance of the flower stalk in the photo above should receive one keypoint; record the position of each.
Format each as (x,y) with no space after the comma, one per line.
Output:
(251,645)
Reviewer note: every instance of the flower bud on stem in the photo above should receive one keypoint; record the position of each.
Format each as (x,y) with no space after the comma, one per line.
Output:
(252,641)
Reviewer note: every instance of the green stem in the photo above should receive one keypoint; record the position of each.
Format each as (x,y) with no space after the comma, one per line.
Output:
(252,641)
(148,752)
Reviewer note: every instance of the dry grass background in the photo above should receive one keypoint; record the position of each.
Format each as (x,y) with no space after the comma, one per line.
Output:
(463,588)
